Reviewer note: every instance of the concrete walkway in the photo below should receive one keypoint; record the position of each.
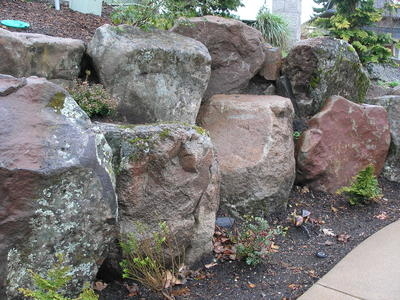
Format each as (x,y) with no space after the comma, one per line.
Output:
(370,272)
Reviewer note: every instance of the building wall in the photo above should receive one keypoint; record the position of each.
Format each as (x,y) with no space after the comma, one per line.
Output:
(290,10)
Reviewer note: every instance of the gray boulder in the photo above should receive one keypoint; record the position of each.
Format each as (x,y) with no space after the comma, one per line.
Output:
(384,72)
(166,173)
(237,51)
(56,186)
(321,67)
(26,54)
(156,75)
(391,169)
(253,137)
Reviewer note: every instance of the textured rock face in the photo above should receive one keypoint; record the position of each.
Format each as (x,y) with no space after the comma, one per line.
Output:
(254,141)
(56,186)
(237,51)
(157,75)
(25,54)
(341,140)
(391,170)
(384,72)
(321,67)
(167,173)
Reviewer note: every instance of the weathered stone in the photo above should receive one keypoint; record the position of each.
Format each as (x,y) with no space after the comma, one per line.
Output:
(56,187)
(321,67)
(26,54)
(391,170)
(254,141)
(384,72)
(237,51)
(9,84)
(376,90)
(343,139)
(156,75)
(167,173)
(273,62)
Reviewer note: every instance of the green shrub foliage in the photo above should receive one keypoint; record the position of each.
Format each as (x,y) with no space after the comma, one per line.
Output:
(93,99)
(348,23)
(162,14)
(255,239)
(273,27)
(364,188)
(50,286)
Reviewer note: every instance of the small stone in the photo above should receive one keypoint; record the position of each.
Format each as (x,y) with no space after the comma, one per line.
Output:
(321,254)
(225,222)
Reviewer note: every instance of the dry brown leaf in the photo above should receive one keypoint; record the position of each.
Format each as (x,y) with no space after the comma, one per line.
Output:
(328,232)
(181,292)
(382,216)
(312,273)
(251,285)
(99,286)
(132,289)
(334,209)
(210,265)
(344,238)
(294,286)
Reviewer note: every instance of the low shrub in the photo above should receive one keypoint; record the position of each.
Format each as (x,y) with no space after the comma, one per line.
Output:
(255,239)
(49,287)
(364,187)
(151,260)
(93,99)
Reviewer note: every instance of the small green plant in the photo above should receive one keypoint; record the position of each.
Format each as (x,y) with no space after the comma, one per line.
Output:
(49,287)
(296,135)
(273,27)
(93,99)
(151,260)
(255,239)
(364,187)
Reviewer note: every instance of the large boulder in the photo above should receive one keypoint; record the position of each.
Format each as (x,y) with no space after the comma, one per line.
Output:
(166,173)
(343,139)
(56,186)
(156,75)
(237,50)
(254,141)
(321,67)
(391,170)
(383,72)
(26,54)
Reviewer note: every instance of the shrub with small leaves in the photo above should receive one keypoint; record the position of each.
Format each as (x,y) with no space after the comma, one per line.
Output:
(255,239)
(151,258)
(50,286)
(93,99)
(364,187)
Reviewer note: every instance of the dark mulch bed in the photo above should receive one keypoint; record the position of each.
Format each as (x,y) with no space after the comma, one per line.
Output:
(44,19)
(295,267)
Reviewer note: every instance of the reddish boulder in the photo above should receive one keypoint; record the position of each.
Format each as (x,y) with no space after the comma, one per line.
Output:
(341,140)
(273,63)
(254,141)
(237,51)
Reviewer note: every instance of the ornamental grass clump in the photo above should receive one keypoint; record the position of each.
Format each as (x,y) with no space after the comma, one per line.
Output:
(50,287)
(364,187)
(255,240)
(273,27)
(151,259)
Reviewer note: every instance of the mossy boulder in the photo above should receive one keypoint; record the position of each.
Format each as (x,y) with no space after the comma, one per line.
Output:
(321,67)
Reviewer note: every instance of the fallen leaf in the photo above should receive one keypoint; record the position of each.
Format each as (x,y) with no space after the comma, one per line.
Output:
(210,265)
(99,286)
(328,232)
(132,289)
(328,243)
(382,216)
(304,190)
(251,285)
(334,209)
(294,286)
(312,273)
(344,238)
(181,292)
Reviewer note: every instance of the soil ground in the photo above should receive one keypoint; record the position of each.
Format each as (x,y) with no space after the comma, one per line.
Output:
(294,267)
